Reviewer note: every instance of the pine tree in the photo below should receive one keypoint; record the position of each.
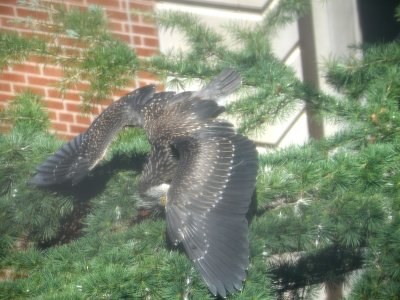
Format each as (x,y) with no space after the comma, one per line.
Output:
(326,211)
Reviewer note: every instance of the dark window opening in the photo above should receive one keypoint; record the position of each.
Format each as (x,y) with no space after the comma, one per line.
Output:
(377,20)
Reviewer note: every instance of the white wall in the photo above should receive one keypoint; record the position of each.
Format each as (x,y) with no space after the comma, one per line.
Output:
(335,26)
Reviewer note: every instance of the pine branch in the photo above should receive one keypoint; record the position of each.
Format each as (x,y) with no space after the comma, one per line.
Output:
(104,62)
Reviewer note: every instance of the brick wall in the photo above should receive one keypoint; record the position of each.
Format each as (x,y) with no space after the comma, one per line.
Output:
(35,75)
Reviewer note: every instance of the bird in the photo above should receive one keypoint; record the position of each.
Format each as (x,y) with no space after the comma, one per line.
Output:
(142,108)
(199,168)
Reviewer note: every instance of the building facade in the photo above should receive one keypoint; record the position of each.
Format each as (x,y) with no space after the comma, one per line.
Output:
(40,77)
(326,31)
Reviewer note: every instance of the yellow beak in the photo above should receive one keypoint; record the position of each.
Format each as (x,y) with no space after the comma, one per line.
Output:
(163,200)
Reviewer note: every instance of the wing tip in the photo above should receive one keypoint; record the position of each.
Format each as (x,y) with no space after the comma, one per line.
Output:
(58,171)
(225,83)
(39,181)
(141,96)
(224,289)
(45,180)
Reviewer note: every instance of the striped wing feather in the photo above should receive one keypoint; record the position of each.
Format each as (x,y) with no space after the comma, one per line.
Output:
(65,164)
(221,85)
(207,203)
(77,157)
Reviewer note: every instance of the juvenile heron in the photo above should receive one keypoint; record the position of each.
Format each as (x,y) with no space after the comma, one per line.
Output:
(203,170)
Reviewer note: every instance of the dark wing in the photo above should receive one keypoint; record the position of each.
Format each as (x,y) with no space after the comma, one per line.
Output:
(208,200)
(65,164)
(73,161)
(159,168)
(221,85)
(188,111)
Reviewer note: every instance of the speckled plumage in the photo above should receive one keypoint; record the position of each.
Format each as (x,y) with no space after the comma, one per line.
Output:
(206,168)
(76,158)
(208,200)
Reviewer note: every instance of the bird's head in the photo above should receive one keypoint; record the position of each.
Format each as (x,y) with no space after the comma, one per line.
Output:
(154,196)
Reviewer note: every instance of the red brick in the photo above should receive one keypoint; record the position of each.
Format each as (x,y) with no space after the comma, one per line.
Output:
(143,83)
(41,80)
(123,37)
(36,34)
(117,15)
(147,82)
(53,72)
(9,1)
(109,3)
(4,127)
(107,102)
(52,115)
(76,1)
(146,30)
(59,126)
(68,41)
(137,40)
(26,68)
(78,5)
(65,117)
(5,69)
(10,24)
(151,42)
(52,93)
(5,98)
(73,107)
(119,93)
(95,110)
(5,87)
(83,120)
(73,96)
(23,88)
(141,6)
(135,18)
(6,10)
(37,59)
(72,51)
(12,77)
(55,104)
(146,75)
(81,86)
(23,12)
(115,26)
(77,128)
(146,51)
(145,20)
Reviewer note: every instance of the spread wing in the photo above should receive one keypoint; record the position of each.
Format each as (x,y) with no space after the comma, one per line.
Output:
(74,159)
(160,168)
(208,200)
(222,85)
(66,164)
